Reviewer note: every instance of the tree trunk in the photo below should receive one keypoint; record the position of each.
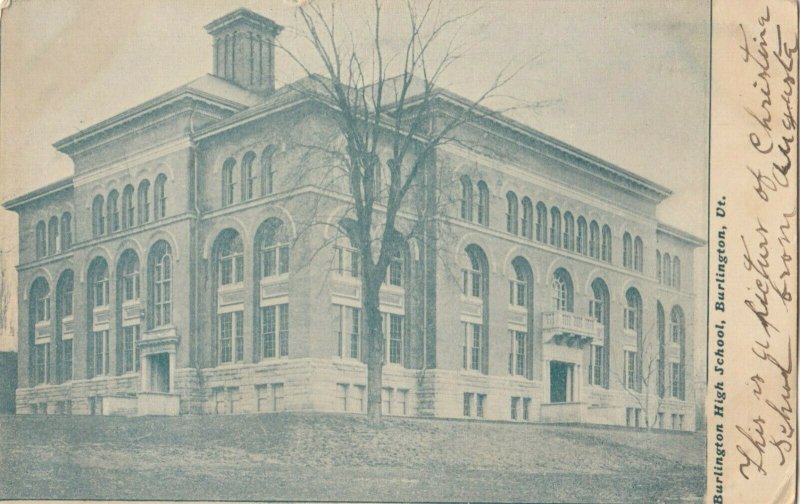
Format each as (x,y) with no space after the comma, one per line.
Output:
(374,354)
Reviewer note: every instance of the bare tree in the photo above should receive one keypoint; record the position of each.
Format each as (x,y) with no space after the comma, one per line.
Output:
(387,124)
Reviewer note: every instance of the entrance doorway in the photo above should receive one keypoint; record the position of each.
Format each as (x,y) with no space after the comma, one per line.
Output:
(561,382)
(159,372)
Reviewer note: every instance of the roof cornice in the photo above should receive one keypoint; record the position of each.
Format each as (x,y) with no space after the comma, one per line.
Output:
(680,234)
(48,190)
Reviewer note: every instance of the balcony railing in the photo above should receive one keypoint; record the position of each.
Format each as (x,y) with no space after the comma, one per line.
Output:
(570,328)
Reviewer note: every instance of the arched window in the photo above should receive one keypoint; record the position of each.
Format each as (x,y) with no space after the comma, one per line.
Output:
(627,250)
(658,265)
(267,171)
(98,283)
(98,217)
(160,276)
(633,322)
(273,249)
(144,202)
(476,284)
(555,227)
(562,291)
(582,244)
(466,198)
(666,275)
(249,176)
(678,369)
(483,203)
(41,239)
(676,272)
(661,333)
(527,218)
(541,222)
(228,181)
(128,269)
(600,310)
(606,246)
(569,231)
(520,340)
(127,207)
(66,231)
(230,258)
(53,243)
(97,348)
(39,309)
(594,240)
(64,312)
(512,213)
(160,197)
(638,254)
(113,212)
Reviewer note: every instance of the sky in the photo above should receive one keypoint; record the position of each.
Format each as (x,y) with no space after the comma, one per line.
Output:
(625,81)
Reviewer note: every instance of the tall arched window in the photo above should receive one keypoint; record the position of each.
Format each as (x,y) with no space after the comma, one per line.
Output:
(466,198)
(606,245)
(638,254)
(98,216)
(228,181)
(555,227)
(128,207)
(229,260)
(678,369)
(658,265)
(520,336)
(541,222)
(666,275)
(97,350)
(144,201)
(160,282)
(476,284)
(41,239)
(594,240)
(249,176)
(273,249)
(113,212)
(582,242)
(661,333)
(267,171)
(160,197)
(39,309)
(53,243)
(562,291)
(527,218)
(64,331)
(569,231)
(66,231)
(128,293)
(676,272)
(633,322)
(512,213)
(483,203)
(600,310)
(627,250)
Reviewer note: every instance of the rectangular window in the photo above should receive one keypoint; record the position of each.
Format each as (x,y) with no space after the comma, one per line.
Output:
(480,403)
(66,355)
(341,396)
(630,371)
(596,364)
(277,397)
(396,272)
(98,353)
(395,338)
(660,420)
(219,400)
(263,398)
(283,312)
(401,402)
(519,346)
(514,407)
(67,294)
(472,345)
(526,408)
(468,403)
(239,326)
(225,337)
(130,285)
(629,417)
(130,351)
(233,397)
(675,375)
(360,398)
(386,400)
(41,358)
(637,414)
(347,262)
(275,261)
(275,331)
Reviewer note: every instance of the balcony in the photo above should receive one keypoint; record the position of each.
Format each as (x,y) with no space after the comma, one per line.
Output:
(565,328)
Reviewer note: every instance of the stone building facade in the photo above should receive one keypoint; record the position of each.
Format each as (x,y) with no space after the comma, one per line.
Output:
(179,269)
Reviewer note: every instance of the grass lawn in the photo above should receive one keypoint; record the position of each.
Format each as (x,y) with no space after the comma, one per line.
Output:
(307,456)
